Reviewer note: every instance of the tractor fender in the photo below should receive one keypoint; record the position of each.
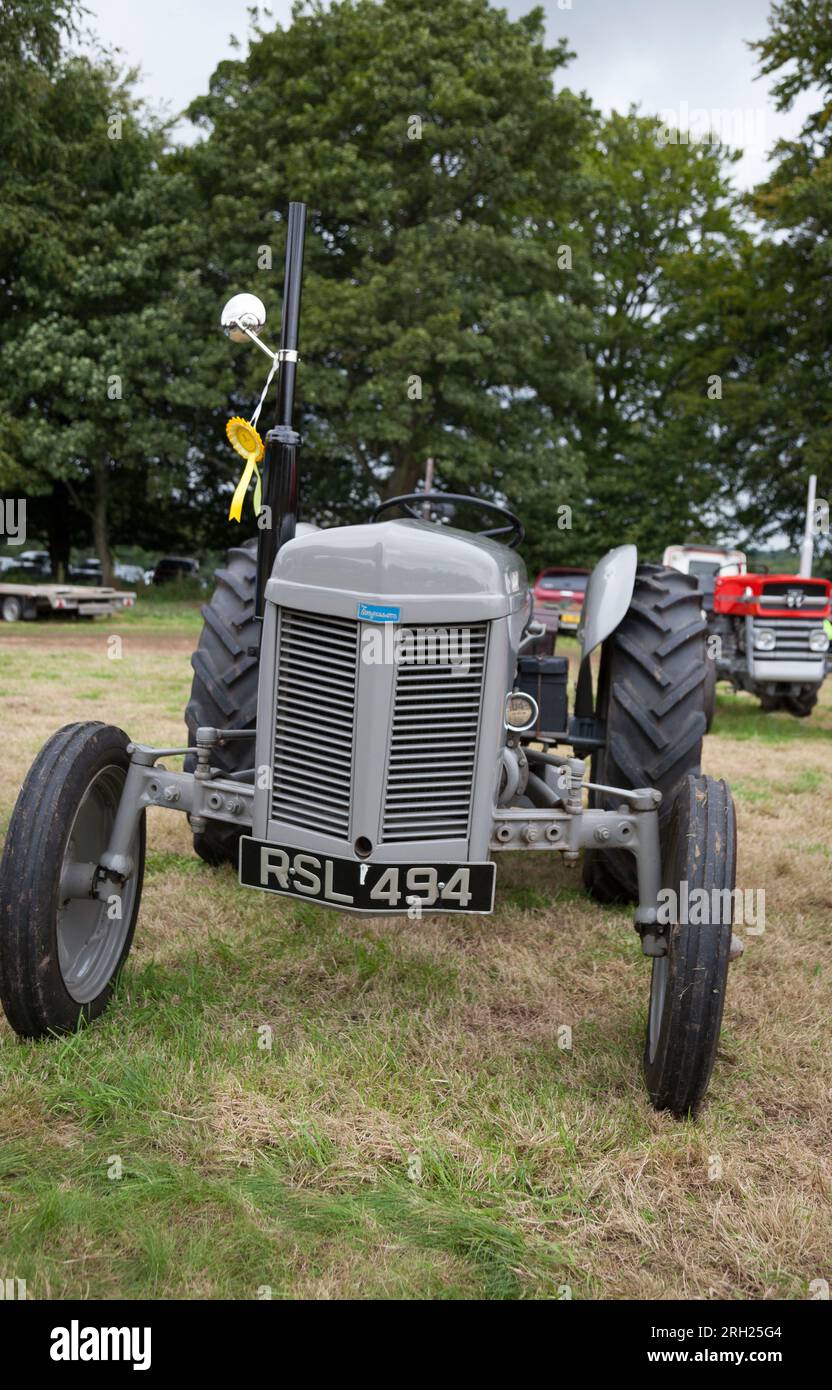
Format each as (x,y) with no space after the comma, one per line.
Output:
(608,593)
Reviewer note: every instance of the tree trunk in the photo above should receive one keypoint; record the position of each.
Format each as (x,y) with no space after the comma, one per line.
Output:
(407,474)
(58,531)
(100,522)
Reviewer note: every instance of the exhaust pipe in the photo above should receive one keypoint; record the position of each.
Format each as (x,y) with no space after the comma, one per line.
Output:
(280,466)
(807,549)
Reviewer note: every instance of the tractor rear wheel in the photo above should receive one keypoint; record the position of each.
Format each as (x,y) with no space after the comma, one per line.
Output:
(224,687)
(650,697)
(687,988)
(800,705)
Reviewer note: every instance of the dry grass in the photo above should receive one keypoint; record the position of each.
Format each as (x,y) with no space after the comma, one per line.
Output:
(540,1167)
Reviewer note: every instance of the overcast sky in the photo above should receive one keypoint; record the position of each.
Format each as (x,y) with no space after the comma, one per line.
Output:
(669,56)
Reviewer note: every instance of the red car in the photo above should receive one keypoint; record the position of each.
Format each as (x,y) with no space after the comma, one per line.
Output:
(558,597)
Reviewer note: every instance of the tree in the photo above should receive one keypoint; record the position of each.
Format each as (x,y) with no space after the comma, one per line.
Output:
(31,35)
(439,165)
(93,409)
(781,423)
(663,237)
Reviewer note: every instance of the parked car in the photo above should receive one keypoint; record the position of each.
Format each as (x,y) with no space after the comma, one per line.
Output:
(35,562)
(559,596)
(131,574)
(172,567)
(87,569)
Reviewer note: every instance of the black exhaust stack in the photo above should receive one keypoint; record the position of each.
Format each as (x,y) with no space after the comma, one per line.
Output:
(280,465)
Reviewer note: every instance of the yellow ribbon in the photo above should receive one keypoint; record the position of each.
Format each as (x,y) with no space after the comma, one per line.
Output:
(244,439)
(235,511)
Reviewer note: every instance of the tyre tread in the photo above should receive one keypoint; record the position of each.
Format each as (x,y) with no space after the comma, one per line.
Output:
(223,692)
(704,822)
(652,674)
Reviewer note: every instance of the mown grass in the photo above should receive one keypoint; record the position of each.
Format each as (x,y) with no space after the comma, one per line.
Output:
(283,1099)
(740,718)
(163,610)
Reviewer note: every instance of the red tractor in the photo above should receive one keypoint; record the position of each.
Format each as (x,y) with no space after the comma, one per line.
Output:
(772,629)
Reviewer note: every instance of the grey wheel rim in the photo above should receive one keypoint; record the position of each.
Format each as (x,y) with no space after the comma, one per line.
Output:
(658,990)
(12,610)
(90,941)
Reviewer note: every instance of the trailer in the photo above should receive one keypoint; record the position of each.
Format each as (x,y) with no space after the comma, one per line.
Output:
(25,602)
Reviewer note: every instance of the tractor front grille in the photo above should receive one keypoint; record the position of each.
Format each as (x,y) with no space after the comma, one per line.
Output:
(794,593)
(433,736)
(423,763)
(791,637)
(314,721)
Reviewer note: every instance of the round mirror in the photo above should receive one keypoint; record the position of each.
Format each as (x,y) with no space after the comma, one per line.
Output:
(243,311)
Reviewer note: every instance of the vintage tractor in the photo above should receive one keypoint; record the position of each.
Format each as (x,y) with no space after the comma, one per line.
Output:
(770,630)
(367,731)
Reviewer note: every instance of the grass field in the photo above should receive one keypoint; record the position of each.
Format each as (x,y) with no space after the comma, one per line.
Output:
(327,1107)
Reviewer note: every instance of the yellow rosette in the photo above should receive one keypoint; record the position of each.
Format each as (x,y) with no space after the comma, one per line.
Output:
(244,439)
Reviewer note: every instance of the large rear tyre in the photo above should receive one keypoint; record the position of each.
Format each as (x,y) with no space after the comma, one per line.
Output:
(61,944)
(802,704)
(224,688)
(687,988)
(650,697)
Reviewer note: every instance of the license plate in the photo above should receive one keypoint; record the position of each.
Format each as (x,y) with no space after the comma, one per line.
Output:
(365,887)
(572,619)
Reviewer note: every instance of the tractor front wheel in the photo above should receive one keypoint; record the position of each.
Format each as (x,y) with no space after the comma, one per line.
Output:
(687,989)
(65,929)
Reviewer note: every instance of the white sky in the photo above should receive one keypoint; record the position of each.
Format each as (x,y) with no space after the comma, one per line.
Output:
(678,56)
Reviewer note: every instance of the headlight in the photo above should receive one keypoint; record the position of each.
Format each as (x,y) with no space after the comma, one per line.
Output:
(764,639)
(818,641)
(521,711)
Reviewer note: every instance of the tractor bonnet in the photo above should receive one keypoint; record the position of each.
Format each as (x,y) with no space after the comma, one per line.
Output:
(399,571)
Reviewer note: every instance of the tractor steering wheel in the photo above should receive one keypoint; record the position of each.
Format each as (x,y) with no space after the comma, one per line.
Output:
(414,504)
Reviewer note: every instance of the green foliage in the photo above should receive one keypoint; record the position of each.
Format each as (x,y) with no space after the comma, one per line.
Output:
(780,409)
(662,229)
(96,379)
(800,41)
